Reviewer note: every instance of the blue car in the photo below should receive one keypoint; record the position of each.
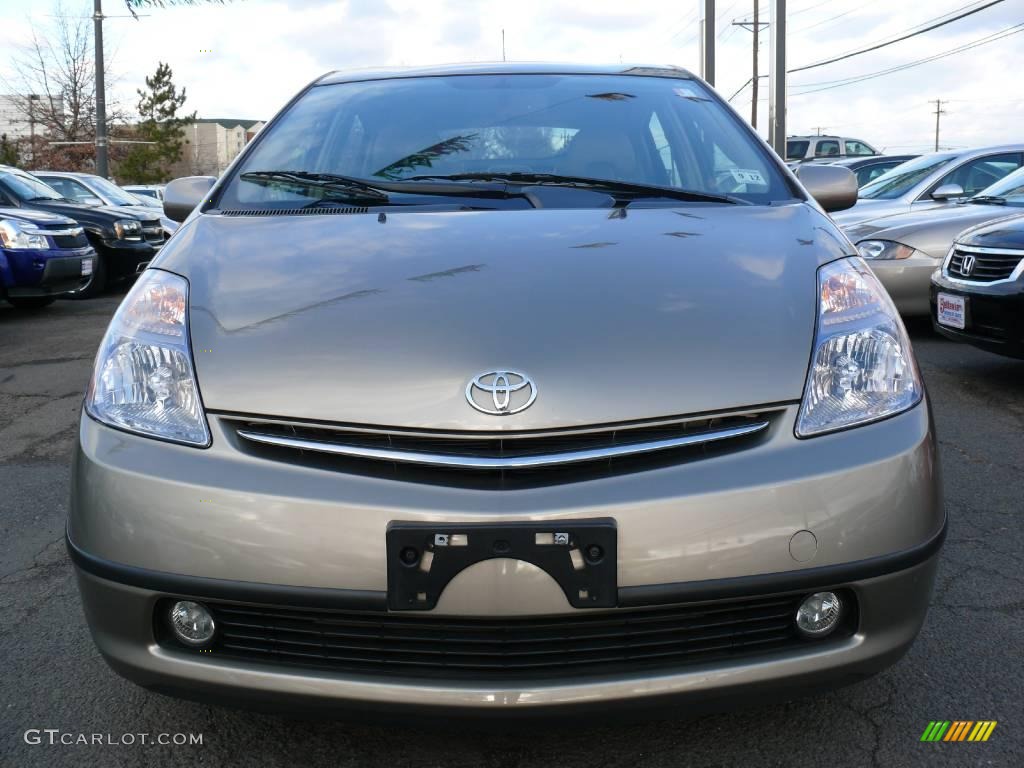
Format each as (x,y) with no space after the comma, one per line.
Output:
(42,256)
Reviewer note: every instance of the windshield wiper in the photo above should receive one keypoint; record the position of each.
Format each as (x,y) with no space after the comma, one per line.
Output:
(372,189)
(993,199)
(327,181)
(629,188)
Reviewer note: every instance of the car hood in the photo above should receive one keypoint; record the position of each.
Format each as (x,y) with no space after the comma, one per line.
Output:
(43,218)
(615,316)
(930,231)
(1005,232)
(103,214)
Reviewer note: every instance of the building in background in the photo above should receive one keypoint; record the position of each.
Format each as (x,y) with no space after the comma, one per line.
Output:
(211,144)
(18,115)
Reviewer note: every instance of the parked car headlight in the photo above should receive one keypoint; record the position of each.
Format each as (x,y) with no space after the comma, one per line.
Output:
(883,250)
(128,229)
(14,234)
(144,380)
(863,367)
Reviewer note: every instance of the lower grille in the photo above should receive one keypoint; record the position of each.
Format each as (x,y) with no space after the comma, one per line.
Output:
(503,460)
(664,637)
(71,241)
(983,266)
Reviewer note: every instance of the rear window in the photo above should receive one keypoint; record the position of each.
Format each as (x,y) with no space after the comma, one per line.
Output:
(646,130)
(796,150)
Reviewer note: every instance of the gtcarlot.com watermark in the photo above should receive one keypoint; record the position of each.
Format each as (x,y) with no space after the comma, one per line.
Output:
(55,736)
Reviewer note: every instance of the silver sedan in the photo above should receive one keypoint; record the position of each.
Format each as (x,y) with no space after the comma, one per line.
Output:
(904,250)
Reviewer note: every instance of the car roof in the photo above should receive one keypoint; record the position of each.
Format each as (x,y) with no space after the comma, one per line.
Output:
(65,174)
(503,68)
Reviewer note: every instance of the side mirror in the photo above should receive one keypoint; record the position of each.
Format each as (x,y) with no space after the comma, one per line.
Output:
(833,186)
(182,195)
(948,192)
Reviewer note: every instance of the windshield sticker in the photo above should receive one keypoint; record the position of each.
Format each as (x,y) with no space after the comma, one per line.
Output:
(745,176)
(688,92)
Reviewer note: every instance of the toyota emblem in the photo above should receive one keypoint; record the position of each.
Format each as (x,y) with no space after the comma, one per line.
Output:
(501,393)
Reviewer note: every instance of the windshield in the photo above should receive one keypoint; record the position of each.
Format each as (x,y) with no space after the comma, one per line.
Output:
(640,130)
(901,179)
(25,187)
(1010,188)
(112,192)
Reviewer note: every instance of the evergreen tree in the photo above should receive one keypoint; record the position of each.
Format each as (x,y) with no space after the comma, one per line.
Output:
(158,107)
(8,151)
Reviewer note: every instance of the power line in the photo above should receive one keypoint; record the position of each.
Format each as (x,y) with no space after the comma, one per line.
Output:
(830,84)
(898,39)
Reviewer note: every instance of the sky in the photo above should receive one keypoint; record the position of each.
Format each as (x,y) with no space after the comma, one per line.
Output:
(246,58)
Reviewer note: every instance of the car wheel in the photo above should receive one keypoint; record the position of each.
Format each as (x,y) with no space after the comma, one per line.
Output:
(97,284)
(31,302)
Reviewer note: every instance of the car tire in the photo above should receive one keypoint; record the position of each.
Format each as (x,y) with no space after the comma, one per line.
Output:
(98,283)
(31,302)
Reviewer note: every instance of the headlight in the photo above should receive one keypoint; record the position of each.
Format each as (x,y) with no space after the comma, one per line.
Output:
(128,229)
(14,234)
(863,368)
(144,380)
(883,250)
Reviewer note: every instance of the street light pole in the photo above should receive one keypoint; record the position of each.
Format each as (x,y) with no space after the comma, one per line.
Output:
(708,42)
(101,103)
(777,80)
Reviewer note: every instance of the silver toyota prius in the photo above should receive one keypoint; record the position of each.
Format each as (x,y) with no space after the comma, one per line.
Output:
(509,390)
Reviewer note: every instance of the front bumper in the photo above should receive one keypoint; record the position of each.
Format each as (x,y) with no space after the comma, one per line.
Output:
(994,317)
(45,272)
(150,520)
(126,258)
(907,281)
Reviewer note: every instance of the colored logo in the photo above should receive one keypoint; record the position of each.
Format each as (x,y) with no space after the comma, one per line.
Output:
(959,730)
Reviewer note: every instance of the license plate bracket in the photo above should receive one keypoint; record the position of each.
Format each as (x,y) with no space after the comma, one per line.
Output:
(581,555)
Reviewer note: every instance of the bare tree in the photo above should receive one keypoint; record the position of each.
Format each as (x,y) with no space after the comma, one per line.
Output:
(54,89)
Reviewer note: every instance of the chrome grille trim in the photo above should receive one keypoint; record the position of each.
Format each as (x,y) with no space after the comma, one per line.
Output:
(984,255)
(455,461)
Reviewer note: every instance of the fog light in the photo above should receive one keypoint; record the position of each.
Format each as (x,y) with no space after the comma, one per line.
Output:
(192,622)
(819,614)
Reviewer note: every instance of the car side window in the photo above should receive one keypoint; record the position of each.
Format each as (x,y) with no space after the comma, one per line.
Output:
(69,188)
(858,148)
(979,173)
(827,148)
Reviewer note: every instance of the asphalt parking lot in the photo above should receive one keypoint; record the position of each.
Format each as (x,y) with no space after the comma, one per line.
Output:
(966,665)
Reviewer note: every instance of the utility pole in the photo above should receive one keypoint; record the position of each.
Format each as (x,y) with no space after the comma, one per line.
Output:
(755,27)
(938,111)
(707,37)
(777,80)
(101,102)
(503,44)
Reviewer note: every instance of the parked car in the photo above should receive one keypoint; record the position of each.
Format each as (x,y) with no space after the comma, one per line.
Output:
(90,189)
(978,296)
(867,169)
(125,239)
(152,191)
(453,407)
(826,148)
(905,249)
(933,180)
(42,256)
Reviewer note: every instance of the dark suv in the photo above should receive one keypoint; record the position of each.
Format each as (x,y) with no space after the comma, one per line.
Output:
(125,241)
